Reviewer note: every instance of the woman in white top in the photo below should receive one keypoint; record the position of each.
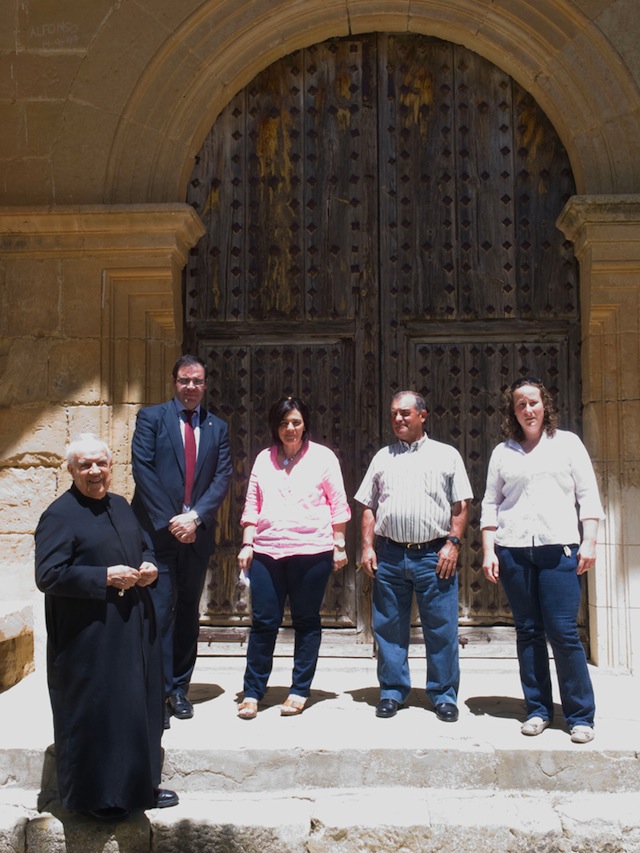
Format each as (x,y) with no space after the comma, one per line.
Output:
(532,543)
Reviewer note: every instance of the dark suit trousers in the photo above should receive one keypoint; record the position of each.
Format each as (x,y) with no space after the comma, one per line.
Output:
(176,597)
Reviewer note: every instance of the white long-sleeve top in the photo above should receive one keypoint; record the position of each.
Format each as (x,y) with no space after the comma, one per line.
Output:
(531,498)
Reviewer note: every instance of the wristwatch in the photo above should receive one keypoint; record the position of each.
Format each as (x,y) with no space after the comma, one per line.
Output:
(455,540)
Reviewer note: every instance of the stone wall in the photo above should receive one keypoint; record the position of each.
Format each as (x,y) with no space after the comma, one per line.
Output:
(91,304)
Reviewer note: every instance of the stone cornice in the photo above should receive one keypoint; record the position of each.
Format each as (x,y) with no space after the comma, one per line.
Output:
(157,229)
(608,225)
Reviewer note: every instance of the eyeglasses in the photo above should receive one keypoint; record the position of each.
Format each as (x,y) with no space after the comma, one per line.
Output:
(183,381)
(526,380)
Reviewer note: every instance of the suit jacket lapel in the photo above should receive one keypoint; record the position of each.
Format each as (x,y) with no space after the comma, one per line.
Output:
(173,431)
(204,442)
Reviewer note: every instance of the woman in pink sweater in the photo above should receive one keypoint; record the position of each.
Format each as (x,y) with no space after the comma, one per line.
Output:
(294,522)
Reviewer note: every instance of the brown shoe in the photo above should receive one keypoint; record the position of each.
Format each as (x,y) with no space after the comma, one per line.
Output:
(292,706)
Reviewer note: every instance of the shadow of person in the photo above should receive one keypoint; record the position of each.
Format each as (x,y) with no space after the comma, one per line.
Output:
(78,832)
(199,693)
(371,696)
(48,781)
(503,707)
(276,696)
(84,834)
(365,695)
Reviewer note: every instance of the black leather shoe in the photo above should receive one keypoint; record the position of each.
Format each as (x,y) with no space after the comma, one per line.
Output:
(387,708)
(447,712)
(167,716)
(180,706)
(165,798)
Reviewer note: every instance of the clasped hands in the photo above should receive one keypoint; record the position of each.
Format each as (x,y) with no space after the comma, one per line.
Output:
(124,577)
(183,527)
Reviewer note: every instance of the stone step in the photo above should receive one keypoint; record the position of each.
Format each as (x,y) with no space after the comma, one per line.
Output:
(456,765)
(337,778)
(349,820)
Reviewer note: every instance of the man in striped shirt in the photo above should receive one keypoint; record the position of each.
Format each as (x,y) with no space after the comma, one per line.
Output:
(416,494)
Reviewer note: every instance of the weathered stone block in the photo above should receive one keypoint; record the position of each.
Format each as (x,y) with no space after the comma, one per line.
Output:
(29,441)
(24,495)
(33,287)
(16,568)
(50,27)
(16,643)
(74,372)
(84,419)
(82,297)
(277,824)
(23,374)
(13,831)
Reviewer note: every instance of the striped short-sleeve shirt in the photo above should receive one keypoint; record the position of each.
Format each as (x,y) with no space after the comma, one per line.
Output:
(412,488)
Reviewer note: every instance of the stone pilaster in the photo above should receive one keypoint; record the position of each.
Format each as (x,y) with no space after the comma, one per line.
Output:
(606,234)
(90,324)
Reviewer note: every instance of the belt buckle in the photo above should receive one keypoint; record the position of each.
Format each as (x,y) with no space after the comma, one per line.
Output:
(414,546)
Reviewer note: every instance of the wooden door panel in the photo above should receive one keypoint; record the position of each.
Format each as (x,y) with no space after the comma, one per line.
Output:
(380,214)
(282,291)
(418,254)
(462,382)
(254,376)
(547,273)
(477,285)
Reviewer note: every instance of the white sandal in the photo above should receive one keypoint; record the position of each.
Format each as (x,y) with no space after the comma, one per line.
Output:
(534,726)
(582,734)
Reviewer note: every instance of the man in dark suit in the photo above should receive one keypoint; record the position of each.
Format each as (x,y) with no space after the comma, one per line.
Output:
(182,467)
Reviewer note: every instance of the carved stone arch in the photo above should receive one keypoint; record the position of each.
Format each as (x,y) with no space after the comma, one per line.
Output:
(556,53)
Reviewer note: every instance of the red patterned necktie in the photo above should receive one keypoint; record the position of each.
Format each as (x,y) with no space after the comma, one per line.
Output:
(189,457)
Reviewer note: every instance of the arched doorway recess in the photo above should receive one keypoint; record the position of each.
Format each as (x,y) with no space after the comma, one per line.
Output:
(380,214)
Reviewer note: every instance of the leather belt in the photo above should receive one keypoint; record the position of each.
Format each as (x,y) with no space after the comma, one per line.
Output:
(432,545)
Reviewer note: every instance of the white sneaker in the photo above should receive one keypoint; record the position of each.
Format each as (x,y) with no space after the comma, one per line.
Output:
(582,734)
(534,726)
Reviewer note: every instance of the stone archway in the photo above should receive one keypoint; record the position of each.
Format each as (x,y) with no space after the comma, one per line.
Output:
(561,57)
(556,55)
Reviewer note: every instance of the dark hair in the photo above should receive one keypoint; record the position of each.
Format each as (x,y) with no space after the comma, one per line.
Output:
(188,361)
(510,426)
(419,402)
(282,408)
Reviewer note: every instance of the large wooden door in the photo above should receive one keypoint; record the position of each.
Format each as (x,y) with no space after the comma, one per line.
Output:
(380,215)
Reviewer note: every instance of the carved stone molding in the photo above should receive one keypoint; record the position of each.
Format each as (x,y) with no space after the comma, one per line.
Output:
(606,234)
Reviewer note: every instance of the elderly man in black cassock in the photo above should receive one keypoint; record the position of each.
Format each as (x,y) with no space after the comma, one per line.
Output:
(104,660)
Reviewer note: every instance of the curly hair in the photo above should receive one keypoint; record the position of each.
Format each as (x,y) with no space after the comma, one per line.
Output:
(510,426)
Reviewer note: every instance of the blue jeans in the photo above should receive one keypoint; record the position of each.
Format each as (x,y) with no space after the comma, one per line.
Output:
(304,580)
(401,572)
(543,590)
